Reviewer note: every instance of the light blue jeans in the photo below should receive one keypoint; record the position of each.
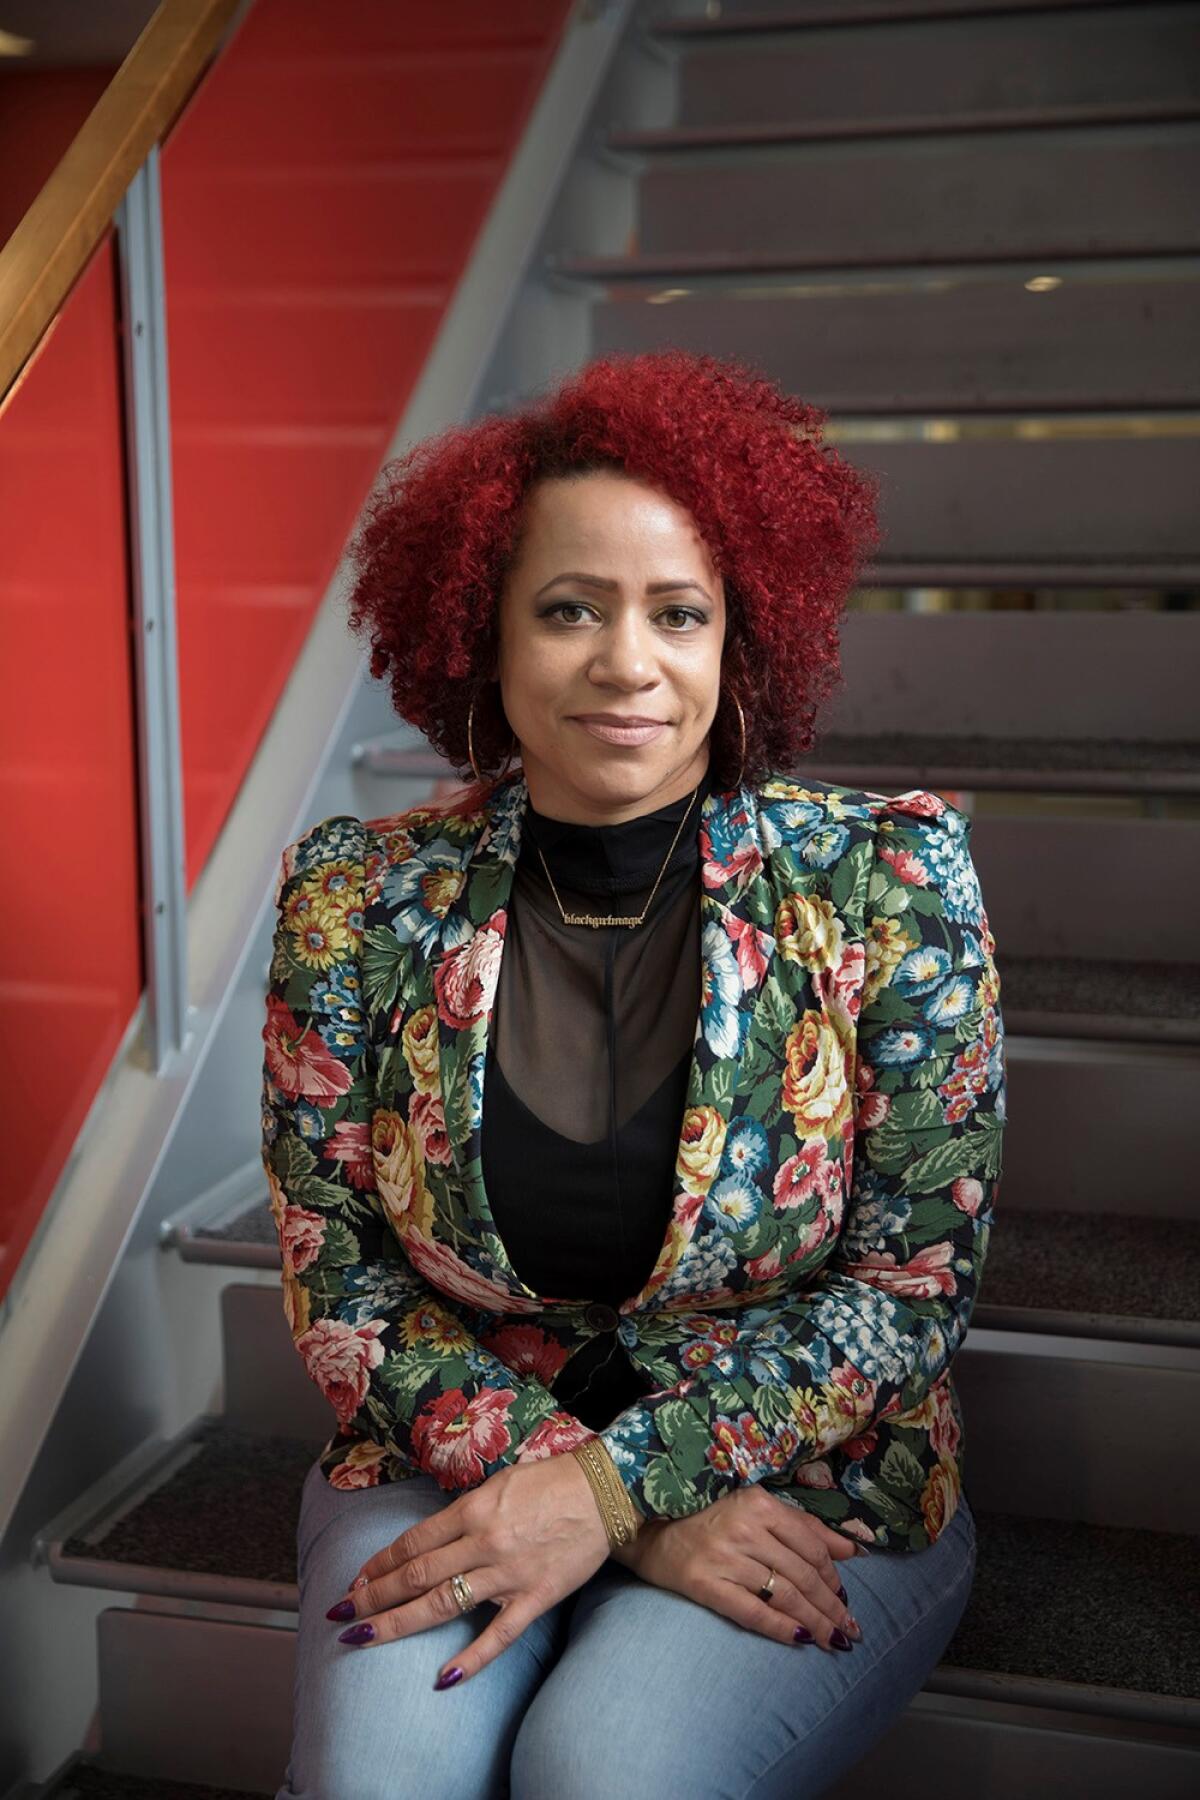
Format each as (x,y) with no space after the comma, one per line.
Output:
(621,1688)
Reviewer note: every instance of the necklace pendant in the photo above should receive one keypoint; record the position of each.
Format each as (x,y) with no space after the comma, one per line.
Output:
(597,919)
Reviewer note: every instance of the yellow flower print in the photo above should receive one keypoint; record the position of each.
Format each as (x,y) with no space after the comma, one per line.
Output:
(886,946)
(700,1146)
(400,1174)
(809,931)
(434,1328)
(419,1042)
(296,1302)
(939,1501)
(816,1081)
(322,934)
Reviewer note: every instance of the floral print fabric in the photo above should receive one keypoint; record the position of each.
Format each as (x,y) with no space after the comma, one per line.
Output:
(838,1161)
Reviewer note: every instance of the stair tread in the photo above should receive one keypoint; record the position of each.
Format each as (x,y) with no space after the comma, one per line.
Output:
(1077,984)
(1100,1605)
(1107,1263)
(1104,1606)
(1112,1264)
(92,1783)
(975,752)
(255,1226)
(231,1510)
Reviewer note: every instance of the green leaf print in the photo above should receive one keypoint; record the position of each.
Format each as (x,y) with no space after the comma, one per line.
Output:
(666,1491)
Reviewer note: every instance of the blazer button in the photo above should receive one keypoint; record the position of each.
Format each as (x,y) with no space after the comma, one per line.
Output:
(604,1318)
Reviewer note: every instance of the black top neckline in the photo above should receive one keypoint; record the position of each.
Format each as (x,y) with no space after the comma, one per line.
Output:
(614,858)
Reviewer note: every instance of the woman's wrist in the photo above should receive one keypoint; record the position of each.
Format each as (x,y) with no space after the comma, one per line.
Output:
(620,1517)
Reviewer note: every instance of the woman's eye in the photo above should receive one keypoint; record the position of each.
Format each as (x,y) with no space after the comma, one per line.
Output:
(579,606)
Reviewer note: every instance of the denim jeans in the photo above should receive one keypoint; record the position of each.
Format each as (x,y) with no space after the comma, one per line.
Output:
(621,1688)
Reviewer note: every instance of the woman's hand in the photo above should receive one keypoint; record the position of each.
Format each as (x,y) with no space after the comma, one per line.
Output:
(720,1558)
(530,1535)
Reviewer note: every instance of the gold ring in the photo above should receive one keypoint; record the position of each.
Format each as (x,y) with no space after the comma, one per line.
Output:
(768,1587)
(462,1593)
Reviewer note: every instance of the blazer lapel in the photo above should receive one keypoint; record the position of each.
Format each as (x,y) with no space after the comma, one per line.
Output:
(737,950)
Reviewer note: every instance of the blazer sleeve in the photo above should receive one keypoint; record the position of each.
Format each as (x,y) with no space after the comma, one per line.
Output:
(779,1386)
(390,1352)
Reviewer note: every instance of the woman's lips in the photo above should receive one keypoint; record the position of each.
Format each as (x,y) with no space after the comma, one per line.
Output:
(621,734)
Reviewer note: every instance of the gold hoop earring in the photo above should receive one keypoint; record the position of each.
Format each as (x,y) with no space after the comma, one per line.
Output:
(742,723)
(471,745)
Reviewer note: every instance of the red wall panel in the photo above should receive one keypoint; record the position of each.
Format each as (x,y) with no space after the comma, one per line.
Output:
(322,194)
(70,935)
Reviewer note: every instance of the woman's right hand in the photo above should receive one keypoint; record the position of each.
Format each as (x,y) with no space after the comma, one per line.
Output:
(720,1557)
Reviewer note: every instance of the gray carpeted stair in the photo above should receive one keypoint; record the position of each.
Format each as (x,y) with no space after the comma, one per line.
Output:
(1059,995)
(84,1781)
(1118,765)
(1057,1601)
(1115,1265)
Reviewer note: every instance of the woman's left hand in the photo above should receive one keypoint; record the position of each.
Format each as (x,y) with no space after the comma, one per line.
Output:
(527,1537)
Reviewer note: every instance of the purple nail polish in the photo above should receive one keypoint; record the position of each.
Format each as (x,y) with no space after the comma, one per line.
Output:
(342,1611)
(802,1635)
(357,1634)
(449,1678)
(839,1640)
(843,1596)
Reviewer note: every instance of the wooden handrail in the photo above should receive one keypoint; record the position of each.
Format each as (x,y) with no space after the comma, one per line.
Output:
(49,248)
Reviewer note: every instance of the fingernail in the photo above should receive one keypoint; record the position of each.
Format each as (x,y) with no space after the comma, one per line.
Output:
(449,1678)
(853,1626)
(357,1634)
(360,1581)
(843,1596)
(861,1550)
(839,1640)
(802,1635)
(341,1612)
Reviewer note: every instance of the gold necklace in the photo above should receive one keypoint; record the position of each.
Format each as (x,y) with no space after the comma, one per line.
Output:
(615,918)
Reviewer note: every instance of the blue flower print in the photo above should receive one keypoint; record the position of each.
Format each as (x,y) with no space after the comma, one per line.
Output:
(747,1148)
(902,1045)
(950,1003)
(733,1204)
(723,1026)
(921,970)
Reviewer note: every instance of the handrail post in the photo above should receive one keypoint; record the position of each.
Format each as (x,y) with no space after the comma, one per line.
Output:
(152,544)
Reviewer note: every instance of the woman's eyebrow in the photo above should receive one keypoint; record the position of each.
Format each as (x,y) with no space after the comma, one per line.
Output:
(654,587)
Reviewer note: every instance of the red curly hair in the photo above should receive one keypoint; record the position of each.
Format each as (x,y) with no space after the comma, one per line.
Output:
(787,522)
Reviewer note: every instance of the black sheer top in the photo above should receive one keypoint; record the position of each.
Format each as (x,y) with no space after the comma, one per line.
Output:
(586,1080)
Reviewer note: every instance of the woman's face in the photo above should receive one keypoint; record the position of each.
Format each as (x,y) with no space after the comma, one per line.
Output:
(611,605)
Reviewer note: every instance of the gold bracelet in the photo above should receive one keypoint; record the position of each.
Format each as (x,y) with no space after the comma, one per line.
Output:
(621,1518)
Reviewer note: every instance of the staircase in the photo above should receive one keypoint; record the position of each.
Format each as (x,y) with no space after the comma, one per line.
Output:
(969,231)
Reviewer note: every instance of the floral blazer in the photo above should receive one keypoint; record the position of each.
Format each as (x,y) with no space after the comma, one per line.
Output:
(838,1160)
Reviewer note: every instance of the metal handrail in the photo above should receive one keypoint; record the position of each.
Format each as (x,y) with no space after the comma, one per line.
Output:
(51,246)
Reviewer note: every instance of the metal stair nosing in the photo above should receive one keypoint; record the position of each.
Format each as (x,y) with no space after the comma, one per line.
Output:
(996,778)
(1050,1696)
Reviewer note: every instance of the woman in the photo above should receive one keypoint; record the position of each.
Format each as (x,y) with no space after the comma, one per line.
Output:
(630,1475)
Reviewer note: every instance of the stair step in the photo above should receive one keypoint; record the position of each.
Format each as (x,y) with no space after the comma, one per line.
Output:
(897,760)
(1109,1275)
(1128,1278)
(737,16)
(1065,996)
(87,1781)
(669,139)
(249,1241)
(212,1519)
(190,1698)
(1090,1617)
